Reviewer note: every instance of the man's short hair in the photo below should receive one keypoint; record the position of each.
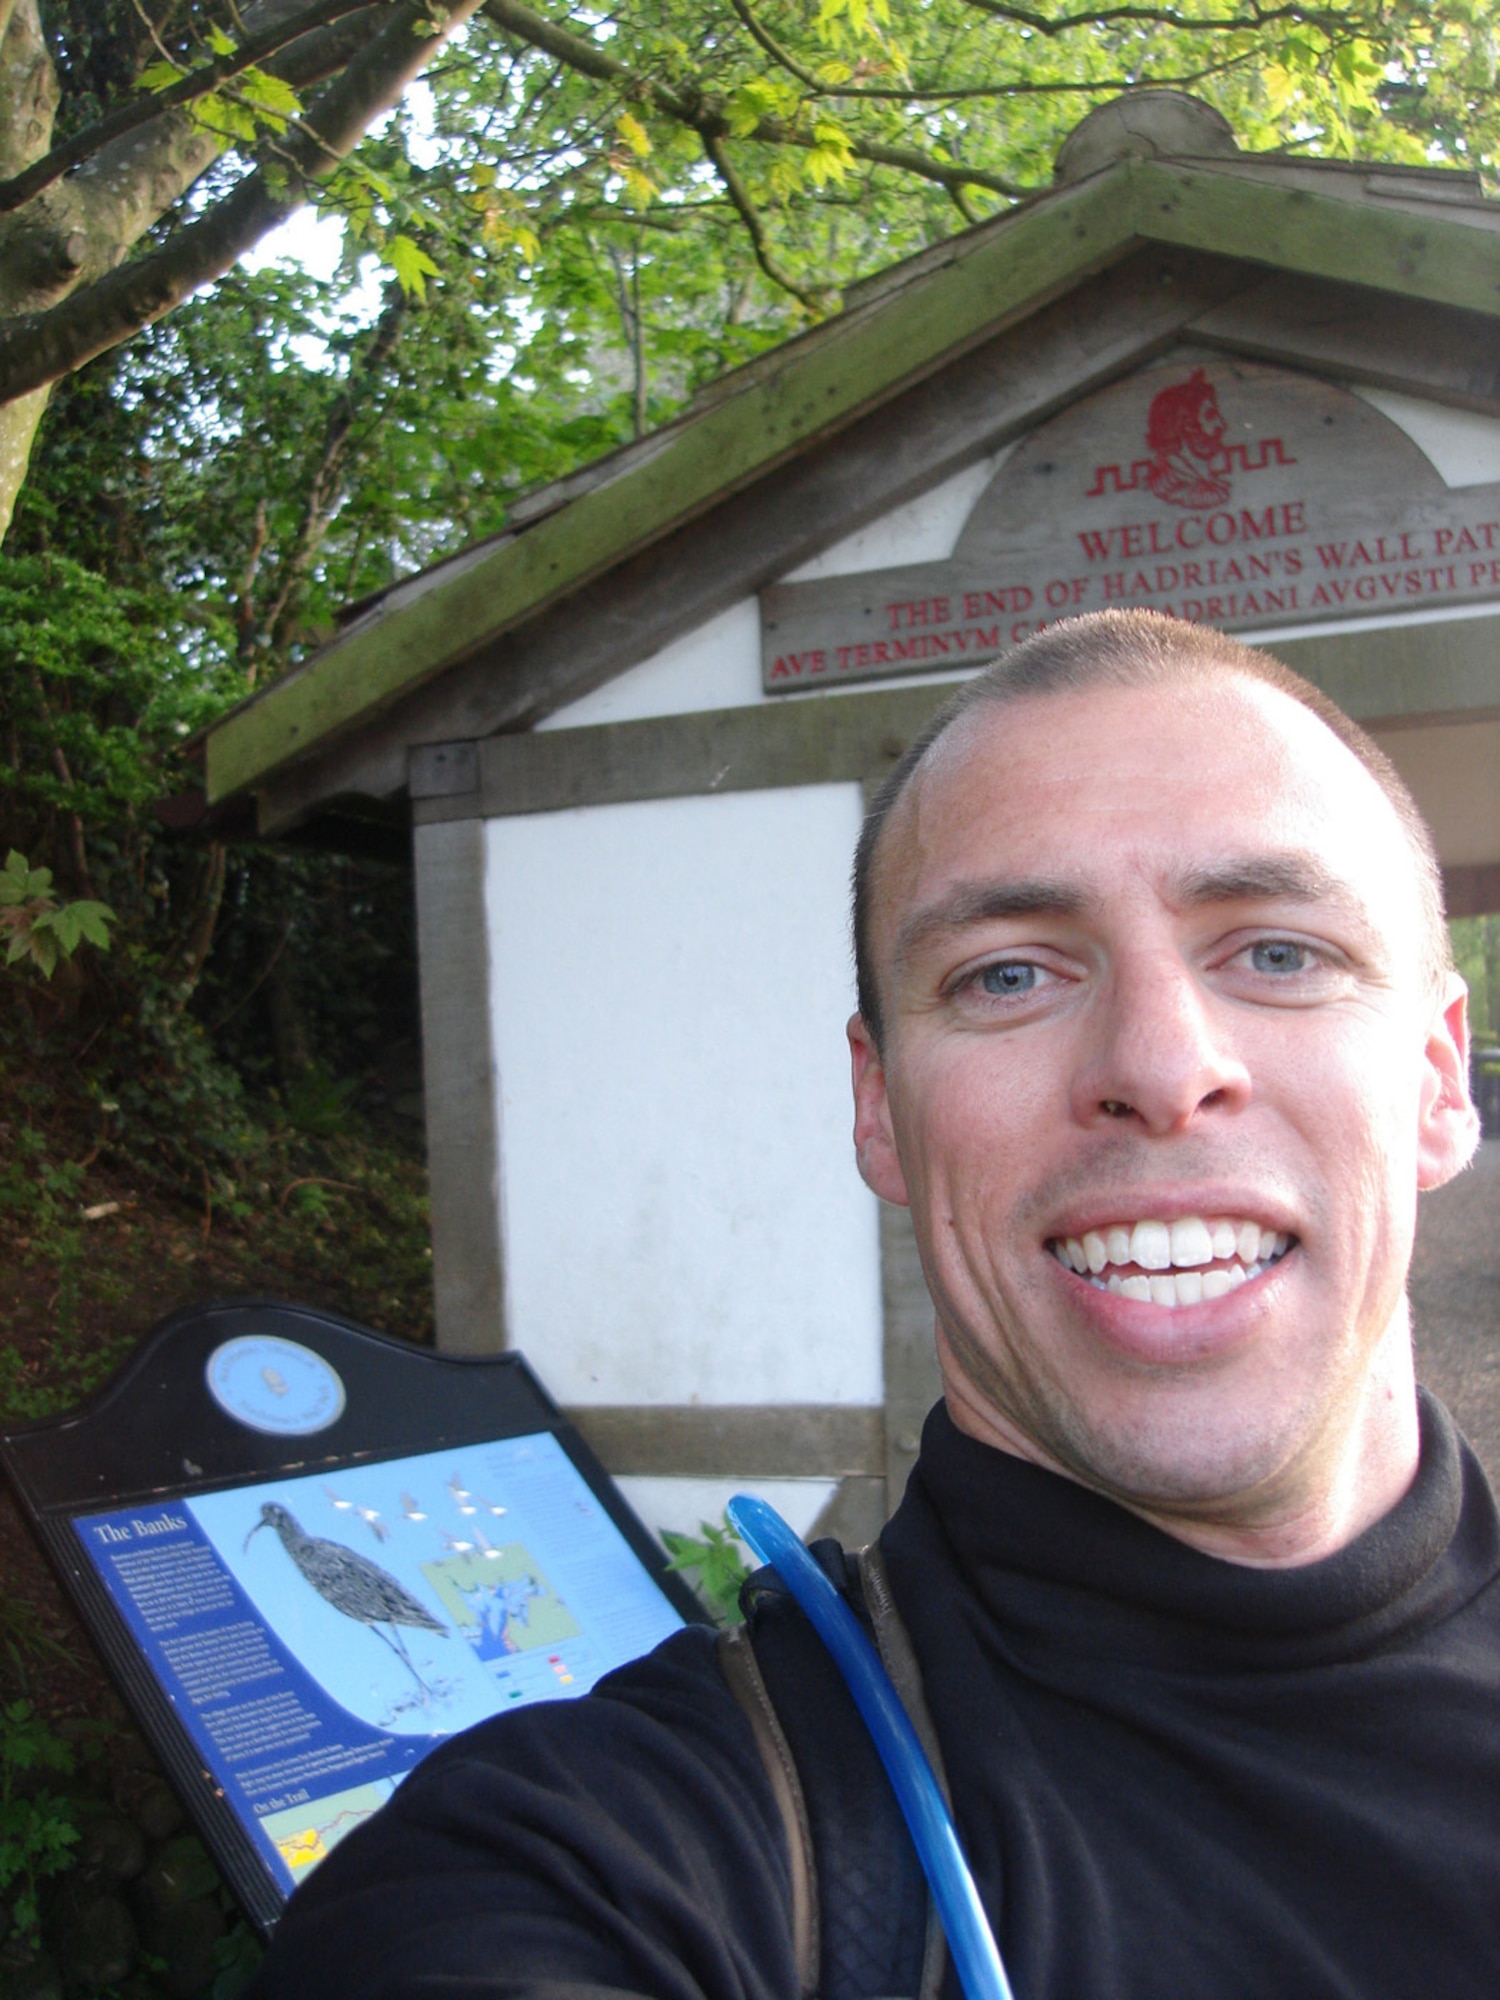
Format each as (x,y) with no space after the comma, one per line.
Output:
(1134,649)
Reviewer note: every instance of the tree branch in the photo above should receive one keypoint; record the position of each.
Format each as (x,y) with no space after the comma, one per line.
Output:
(755,228)
(706,116)
(37,347)
(330,477)
(773,48)
(23,187)
(1162,17)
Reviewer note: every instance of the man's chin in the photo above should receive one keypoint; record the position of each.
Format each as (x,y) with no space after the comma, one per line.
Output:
(1180,1458)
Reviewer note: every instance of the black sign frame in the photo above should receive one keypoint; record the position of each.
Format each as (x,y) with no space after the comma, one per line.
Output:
(155,1433)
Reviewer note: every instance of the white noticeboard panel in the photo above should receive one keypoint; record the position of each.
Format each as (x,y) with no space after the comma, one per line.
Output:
(682,1218)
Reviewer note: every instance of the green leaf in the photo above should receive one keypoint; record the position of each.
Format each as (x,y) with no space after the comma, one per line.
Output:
(635,135)
(216,113)
(272,97)
(160,76)
(219,42)
(411,264)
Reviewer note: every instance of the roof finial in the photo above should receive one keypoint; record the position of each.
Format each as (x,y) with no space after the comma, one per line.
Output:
(1152,123)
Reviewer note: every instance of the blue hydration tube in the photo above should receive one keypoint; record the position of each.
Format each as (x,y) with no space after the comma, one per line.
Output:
(970,1939)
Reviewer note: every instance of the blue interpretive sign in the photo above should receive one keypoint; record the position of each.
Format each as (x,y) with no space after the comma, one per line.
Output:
(297,1635)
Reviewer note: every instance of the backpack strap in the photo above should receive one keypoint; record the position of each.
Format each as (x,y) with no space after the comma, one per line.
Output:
(900,1662)
(853,1864)
(741,1670)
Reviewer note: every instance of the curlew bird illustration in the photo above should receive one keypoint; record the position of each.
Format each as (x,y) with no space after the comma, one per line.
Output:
(352,1584)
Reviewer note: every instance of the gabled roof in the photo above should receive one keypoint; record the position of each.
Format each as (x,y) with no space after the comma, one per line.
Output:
(1421,235)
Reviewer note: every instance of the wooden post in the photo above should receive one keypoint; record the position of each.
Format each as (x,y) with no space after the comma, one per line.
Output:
(459,1084)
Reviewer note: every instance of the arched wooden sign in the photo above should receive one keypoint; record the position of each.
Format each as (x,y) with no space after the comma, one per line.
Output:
(1223,492)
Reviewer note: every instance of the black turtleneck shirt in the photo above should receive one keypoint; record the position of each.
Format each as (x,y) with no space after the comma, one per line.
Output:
(1176,1778)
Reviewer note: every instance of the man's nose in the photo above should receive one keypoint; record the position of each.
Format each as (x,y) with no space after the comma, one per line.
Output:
(1162,1055)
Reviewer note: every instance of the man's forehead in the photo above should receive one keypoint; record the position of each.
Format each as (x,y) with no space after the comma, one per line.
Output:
(1224,779)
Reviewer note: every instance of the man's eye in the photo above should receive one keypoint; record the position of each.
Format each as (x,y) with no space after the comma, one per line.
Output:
(1279,955)
(1010,976)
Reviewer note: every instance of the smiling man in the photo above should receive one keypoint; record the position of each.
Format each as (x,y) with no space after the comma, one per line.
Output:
(1159,1038)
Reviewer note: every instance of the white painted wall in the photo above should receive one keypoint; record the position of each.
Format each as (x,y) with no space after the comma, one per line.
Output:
(1464,447)
(718,665)
(682,1505)
(682,1217)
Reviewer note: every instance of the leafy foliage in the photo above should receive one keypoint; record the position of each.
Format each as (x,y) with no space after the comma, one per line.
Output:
(38,1827)
(714,1561)
(40,927)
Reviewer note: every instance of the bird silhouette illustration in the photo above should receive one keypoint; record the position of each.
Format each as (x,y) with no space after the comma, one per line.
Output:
(352,1584)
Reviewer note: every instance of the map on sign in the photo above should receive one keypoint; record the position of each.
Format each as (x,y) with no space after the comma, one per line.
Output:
(1224,492)
(319,1635)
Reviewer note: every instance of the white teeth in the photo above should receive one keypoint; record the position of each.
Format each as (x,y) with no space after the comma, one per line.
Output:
(1191,1243)
(1151,1246)
(1181,1252)
(1181,1288)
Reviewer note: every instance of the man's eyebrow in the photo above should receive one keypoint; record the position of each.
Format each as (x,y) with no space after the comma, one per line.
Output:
(984,902)
(1265,878)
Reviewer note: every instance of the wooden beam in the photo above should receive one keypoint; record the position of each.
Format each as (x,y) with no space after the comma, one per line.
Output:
(1406,673)
(854,1514)
(459,1088)
(1113,322)
(912,1381)
(1427,672)
(1357,335)
(727,1441)
(1429,255)
(797,742)
(1471,892)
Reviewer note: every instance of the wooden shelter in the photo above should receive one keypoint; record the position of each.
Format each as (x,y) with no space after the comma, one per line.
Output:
(632,736)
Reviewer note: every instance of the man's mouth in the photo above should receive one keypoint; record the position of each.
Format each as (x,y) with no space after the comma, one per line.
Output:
(1179,1263)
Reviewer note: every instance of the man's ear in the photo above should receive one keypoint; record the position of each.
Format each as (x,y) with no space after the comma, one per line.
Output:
(874,1138)
(1449,1129)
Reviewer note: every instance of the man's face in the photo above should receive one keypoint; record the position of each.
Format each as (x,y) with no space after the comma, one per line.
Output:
(1154,978)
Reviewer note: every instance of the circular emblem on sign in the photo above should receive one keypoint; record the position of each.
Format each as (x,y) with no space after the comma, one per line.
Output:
(274,1385)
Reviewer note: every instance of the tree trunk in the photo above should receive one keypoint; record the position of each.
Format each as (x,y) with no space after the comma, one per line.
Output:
(28,105)
(69,288)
